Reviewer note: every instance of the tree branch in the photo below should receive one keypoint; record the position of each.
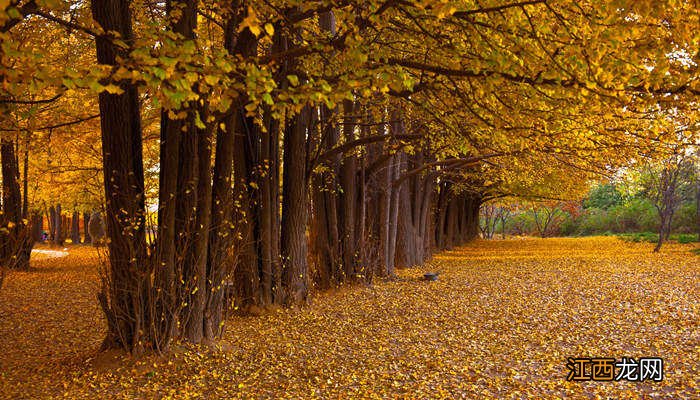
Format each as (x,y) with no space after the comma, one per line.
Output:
(464,14)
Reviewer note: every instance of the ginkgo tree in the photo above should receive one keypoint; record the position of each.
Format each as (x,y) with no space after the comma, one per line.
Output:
(290,144)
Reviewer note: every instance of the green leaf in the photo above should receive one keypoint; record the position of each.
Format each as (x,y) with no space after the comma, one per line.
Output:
(198,121)
(267,99)
(293,79)
(159,73)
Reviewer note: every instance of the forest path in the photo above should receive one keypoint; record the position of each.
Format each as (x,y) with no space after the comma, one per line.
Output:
(499,322)
(50,253)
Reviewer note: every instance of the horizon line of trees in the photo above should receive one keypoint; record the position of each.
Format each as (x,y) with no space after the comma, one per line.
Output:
(661,197)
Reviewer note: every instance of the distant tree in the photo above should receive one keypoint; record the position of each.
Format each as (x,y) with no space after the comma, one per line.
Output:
(491,214)
(664,183)
(505,213)
(546,216)
(489,219)
(75,228)
(603,196)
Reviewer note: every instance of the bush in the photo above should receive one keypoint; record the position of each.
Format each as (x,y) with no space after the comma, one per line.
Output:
(687,238)
(685,219)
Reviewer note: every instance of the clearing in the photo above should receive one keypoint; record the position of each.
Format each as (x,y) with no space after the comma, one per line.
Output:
(500,322)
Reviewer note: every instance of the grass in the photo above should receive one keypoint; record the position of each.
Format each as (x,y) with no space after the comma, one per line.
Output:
(652,237)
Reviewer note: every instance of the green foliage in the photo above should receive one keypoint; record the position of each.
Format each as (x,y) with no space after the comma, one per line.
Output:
(603,196)
(652,237)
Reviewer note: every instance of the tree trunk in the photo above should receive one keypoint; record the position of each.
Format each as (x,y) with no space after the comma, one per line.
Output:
(195,271)
(295,209)
(393,215)
(51,220)
(122,296)
(37,227)
(58,227)
(15,239)
(220,262)
(473,203)
(441,215)
(75,228)
(86,222)
(348,195)
(245,191)
(25,181)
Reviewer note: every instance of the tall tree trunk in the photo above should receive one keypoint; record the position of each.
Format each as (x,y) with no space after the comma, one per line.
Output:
(406,234)
(122,297)
(25,181)
(330,222)
(425,226)
(75,228)
(86,222)
(348,197)
(51,218)
(220,262)
(246,190)
(195,270)
(274,211)
(58,227)
(37,226)
(15,239)
(11,195)
(451,221)
(295,209)
(393,215)
(268,210)
(383,184)
(441,215)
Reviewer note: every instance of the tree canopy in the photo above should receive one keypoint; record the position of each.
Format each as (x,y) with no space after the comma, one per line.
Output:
(274,146)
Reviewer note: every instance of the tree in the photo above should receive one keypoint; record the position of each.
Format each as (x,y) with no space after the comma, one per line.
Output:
(662,183)
(603,196)
(15,237)
(546,215)
(269,134)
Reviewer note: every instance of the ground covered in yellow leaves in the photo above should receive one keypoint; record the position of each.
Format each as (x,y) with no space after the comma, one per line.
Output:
(500,322)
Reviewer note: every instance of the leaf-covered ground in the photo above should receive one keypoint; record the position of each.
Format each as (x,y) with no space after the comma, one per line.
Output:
(500,322)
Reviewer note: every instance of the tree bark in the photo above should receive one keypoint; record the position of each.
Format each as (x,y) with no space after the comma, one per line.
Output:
(15,239)
(295,209)
(348,196)
(219,262)
(75,228)
(86,222)
(58,227)
(195,271)
(122,297)
(51,218)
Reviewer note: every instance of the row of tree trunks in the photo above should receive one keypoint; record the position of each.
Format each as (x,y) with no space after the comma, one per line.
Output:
(58,227)
(413,225)
(271,248)
(366,213)
(457,217)
(228,233)
(180,287)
